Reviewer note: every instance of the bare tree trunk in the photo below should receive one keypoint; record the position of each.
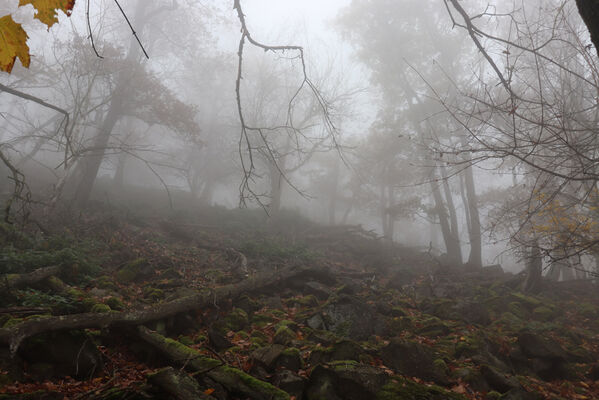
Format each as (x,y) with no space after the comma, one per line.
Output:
(119,175)
(475,259)
(453,217)
(90,165)
(534,269)
(276,189)
(589,11)
(207,192)
(332,209)
(452,246)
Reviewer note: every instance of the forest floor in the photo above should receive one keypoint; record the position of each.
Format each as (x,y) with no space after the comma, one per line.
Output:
(220,304)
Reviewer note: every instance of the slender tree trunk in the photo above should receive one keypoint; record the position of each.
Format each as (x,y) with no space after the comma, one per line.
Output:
(90,165)
(475,259)
(534,269)
(119,175)
(207,193)
(453,217)
(452,246)
(332,209)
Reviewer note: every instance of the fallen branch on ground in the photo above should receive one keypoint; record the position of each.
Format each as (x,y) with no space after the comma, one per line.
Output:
(13,281)
(233,379)
(14,335)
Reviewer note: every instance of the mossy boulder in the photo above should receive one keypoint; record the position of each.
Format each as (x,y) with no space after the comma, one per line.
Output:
(405,389)
(284,336)
(69,353)
(433,327)
(543,313)
(236,320)
(100,308)
(587,310)
(345,380)
(153,294)
(115,303)
(289,359)
(133,271)
(411,358)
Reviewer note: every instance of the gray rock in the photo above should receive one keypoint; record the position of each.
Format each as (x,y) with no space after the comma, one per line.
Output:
(345,380)
(498,381)
(291,383)
(267,356)
(412,359)
(317,289)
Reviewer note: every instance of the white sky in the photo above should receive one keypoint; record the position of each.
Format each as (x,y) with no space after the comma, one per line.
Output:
(266,16)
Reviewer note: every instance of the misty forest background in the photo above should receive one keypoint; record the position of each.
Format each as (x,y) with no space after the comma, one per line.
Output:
(374,199)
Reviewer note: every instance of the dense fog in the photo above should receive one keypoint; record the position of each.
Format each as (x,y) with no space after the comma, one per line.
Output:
(299,199)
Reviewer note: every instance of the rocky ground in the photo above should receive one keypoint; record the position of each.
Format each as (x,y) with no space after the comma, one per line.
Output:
(222,305)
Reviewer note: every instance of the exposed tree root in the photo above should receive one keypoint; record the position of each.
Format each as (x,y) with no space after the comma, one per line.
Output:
(233,379)
(177,384)
(14,335)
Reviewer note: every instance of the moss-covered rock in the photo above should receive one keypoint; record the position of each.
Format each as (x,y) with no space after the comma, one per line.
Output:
(131,271)
(153,294)
(543,313)
(100,308)
(284,336)
(115,303)
(407,390)
(345,380)
(236,320)
(587,310)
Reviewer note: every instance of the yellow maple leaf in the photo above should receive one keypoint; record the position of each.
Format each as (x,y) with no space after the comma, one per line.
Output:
(13,44)
(46,9)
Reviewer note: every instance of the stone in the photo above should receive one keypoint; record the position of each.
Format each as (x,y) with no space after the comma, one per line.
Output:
(267,356)
(537,346)
(472,313)
(291,383)
(284,336)
(317,289)
(67,353)
(498,381)
(290,359)
(347,380)
(218,339)
(412,359)
(350,317)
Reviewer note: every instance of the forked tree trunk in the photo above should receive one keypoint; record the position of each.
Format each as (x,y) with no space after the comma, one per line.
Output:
(452,246)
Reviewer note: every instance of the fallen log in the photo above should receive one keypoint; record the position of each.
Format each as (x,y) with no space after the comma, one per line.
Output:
(15,281)
(14,335)
(233,379)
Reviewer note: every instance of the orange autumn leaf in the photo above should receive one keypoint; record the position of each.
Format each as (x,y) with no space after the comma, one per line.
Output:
(13,38)
(208,392)
(13,44)
(46,10)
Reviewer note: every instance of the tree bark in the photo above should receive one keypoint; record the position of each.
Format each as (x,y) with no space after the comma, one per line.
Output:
(475,259)
(534,269)
(178,384)
(453,217)
(233,379)
(589,11)
(14,335)
(451,245)
(18,281)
